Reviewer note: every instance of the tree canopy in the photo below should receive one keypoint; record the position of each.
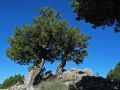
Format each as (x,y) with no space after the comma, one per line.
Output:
(98,12)
(30,43)
(74,46)
(49,38)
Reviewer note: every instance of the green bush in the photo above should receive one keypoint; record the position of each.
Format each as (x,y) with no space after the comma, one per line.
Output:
(115,73)
(0,86)
(51,85)
(11,81)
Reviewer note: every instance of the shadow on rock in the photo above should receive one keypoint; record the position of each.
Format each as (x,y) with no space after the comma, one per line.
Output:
(95,83)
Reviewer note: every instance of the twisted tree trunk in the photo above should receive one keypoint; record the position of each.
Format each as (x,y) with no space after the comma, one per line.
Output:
(28,84)
(61,66)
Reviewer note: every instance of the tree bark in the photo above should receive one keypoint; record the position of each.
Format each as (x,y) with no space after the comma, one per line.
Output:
(61,66)
(28,84)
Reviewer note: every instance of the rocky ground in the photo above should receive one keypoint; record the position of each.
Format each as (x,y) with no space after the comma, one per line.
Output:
(75,79)
(68,77)
(75,74)
(96,83)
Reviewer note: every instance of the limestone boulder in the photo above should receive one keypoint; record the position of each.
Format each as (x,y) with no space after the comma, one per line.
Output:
(75,74)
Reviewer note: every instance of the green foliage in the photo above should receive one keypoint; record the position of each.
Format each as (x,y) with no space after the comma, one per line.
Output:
(74,45)
(0,86)
(51,85)
(11,81)
(115,73)
(98,12)
(30,43)
(49,38)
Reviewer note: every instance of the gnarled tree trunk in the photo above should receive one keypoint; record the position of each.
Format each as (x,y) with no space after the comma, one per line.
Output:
(61,66)
(28,84)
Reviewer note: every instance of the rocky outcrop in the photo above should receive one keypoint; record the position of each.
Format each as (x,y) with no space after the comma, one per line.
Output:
(75,74)
(95,83)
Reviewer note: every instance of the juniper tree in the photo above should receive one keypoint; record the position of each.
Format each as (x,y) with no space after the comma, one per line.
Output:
(74,47)
(48,39)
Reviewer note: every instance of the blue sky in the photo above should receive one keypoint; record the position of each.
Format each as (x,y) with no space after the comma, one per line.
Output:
(103,49)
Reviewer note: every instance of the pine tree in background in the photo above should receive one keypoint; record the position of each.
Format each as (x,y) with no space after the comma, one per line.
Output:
(115,73)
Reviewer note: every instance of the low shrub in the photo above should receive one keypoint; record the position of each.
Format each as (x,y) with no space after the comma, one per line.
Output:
(51,85)
(11,81)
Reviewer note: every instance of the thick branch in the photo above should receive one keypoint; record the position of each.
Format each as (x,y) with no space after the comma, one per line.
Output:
(61,66)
